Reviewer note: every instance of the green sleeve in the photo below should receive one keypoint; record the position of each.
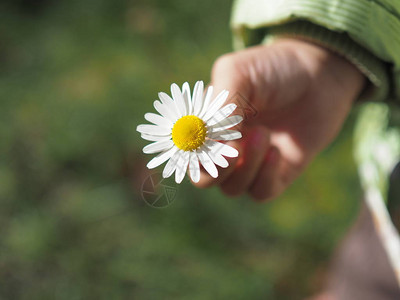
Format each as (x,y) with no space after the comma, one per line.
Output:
(366,32)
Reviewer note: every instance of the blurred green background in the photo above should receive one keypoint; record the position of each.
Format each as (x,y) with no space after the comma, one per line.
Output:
(76,79)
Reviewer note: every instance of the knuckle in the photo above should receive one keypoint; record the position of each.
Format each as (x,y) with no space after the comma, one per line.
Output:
(267,193)
(261,196)
(231,190)
(224,63)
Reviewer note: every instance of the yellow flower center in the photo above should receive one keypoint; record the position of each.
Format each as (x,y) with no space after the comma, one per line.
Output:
(189,133)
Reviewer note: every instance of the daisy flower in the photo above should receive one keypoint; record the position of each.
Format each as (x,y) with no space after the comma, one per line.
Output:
(188,130)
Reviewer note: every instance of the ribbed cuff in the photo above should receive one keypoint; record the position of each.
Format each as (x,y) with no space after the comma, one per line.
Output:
(373,68)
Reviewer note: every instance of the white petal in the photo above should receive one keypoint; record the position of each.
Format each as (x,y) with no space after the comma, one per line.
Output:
(170,167)
(158,120)
(161,158)
(166,111)
(170,105)
(187,98)
(207,101)
(155,138)
(226,123)
(221,114)
(216,105)
(158,147)
(181,167)
(153,129)
(207,163)
(216,157)
(194,167)
(198,97)
(226,135)
(179,101)
(221,148)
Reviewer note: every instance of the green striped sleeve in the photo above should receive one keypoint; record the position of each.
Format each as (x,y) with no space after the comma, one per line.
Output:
(370,29)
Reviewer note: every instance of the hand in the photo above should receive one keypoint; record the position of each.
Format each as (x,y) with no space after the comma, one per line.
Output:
(302,93)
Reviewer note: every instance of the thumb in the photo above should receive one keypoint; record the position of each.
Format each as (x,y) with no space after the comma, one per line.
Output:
(229,73)
(226,76)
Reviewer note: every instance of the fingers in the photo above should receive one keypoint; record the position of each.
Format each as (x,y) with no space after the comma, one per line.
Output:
(255,145)
(257,171)
(252,148)
(206,180)
(267,183)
